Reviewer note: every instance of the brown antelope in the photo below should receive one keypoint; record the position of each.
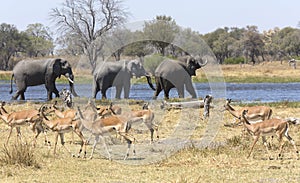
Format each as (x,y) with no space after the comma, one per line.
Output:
(69,113)
(101,126)
(104,111)
(255,113)
(145,115)
(22,118)
(61,126)
(276,126)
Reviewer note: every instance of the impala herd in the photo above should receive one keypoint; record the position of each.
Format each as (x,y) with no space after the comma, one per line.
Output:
(102,120)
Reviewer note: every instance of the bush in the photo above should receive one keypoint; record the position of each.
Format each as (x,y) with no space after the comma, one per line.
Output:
(18,154)
(234,60)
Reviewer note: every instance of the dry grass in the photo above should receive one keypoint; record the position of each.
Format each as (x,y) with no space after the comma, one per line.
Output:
(225,163)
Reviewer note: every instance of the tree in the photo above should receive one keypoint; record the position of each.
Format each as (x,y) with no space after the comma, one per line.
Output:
(253,44)
(161,32)
(41,40)
(89,20)
(11,42)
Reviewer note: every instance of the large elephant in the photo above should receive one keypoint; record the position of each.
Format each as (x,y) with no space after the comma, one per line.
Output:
(118,74)
(177,73)
(37,72)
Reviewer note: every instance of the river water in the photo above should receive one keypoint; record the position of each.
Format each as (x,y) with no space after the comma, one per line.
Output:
(249,92)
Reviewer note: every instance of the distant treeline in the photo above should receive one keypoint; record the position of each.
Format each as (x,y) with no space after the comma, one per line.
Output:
(230,45)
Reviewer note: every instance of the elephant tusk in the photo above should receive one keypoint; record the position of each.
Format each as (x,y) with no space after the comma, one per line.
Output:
(71,81)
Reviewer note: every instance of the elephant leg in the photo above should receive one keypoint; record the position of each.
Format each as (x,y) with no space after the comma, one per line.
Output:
(95,89)
(20,92)
(180,91)
(49,95)
(166,92)
(126,90)
(56,92)
(118,92)
(190,88)
(103,93)
(158,88)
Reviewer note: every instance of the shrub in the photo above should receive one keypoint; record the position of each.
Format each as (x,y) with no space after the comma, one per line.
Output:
(18,154)
(234,60)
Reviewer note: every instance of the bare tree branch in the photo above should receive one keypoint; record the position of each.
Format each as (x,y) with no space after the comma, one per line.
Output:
(89,19)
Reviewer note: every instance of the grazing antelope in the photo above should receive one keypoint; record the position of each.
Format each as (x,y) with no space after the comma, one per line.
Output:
(255,113)
(101,126)
(22,118)
(61,126)
(276,126)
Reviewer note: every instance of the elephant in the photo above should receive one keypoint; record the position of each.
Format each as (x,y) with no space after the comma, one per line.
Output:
(118,74)
(177,73)
(38,72)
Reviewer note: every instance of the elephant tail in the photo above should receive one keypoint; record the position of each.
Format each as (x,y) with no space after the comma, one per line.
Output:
(150,82)
(11,89)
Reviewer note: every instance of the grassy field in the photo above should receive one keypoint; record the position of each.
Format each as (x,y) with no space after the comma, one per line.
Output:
(223,161)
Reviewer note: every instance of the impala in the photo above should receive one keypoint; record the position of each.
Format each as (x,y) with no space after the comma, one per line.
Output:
(101,126)
(22,118)
(145,115)
(69,113)
(104,111)
(273,126)
(61,126)
(255,113)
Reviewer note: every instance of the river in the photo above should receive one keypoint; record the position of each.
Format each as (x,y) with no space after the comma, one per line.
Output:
(249,92)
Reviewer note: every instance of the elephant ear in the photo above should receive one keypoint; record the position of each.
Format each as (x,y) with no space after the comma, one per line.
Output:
(57,67)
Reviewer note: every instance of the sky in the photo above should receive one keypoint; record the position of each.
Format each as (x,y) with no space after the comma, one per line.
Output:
(203,16)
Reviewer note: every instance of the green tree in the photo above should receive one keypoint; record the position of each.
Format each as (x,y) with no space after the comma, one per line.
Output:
(41,40)
(253,43)
(161,32)
(11,42)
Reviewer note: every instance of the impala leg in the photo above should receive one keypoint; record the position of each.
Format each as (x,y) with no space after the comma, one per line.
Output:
(55,143)
(292,142)
(253,144)
(10,131)
(62,141)
(130,140)
(83,142)
(94,146)
(106,149)
(266,145)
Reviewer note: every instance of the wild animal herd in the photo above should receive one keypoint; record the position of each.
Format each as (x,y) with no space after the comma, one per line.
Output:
(103,120)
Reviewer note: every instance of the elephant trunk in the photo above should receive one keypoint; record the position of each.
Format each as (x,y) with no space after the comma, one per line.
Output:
(70,77)
(150,82)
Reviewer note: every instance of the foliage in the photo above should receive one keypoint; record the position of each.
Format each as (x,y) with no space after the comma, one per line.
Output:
(161,32)
(18,154)
(234,60)
(40,39)
(12,41)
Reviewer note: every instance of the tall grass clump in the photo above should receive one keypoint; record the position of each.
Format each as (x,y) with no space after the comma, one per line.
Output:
(18,154)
